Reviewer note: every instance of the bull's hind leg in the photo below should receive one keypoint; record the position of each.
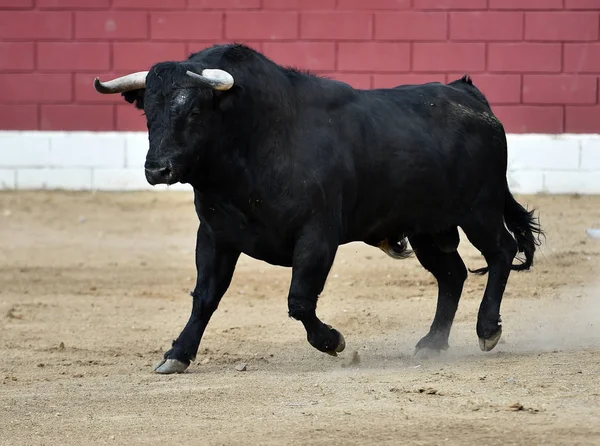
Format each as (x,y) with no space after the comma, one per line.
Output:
(450,273)
(499,249)
(313,258)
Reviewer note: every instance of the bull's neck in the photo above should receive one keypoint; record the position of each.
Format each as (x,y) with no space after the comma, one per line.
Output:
(254,168)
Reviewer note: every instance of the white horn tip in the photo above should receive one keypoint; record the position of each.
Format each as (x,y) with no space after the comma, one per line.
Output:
(98,86)
(221,76)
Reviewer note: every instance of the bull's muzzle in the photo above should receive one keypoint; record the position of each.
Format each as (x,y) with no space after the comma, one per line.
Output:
(159,174)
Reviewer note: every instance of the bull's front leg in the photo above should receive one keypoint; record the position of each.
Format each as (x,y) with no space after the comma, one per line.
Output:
(313,258)
(215,265)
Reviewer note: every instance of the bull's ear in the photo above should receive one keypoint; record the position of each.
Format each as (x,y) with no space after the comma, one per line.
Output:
(135,97)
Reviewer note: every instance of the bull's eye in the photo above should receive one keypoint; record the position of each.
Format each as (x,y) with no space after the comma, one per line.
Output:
(192,117)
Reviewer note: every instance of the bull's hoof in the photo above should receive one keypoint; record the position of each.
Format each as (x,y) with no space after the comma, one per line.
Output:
(340,347)
(169,366)
(341,343)
(431,345)
(488,344)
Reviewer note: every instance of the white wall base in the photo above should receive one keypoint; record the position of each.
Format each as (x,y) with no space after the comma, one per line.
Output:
(553,164)
(109,161)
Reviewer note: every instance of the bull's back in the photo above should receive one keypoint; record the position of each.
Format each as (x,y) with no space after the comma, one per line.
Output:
(423,151)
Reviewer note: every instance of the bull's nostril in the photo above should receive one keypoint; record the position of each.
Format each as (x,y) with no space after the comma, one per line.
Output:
(160,175)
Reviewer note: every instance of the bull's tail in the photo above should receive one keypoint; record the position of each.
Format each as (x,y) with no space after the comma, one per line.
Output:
(526,230)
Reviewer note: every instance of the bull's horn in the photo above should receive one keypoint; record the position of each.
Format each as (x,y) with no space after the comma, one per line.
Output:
(217,79)
(133,81)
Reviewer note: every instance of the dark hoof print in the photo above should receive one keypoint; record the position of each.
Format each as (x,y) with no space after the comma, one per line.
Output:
(488,344)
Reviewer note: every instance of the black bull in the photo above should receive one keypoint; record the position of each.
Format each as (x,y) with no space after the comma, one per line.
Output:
(286,166)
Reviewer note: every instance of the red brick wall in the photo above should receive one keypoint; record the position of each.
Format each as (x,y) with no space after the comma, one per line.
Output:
(538,61)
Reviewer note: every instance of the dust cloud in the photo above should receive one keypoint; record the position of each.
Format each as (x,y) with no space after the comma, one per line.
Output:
(568,321)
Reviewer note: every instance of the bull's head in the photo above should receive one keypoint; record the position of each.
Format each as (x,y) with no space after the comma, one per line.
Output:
(179,104)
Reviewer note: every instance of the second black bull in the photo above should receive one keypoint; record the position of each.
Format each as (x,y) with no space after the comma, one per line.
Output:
(287,166)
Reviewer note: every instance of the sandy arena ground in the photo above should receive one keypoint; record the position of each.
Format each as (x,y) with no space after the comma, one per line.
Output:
(93,288)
